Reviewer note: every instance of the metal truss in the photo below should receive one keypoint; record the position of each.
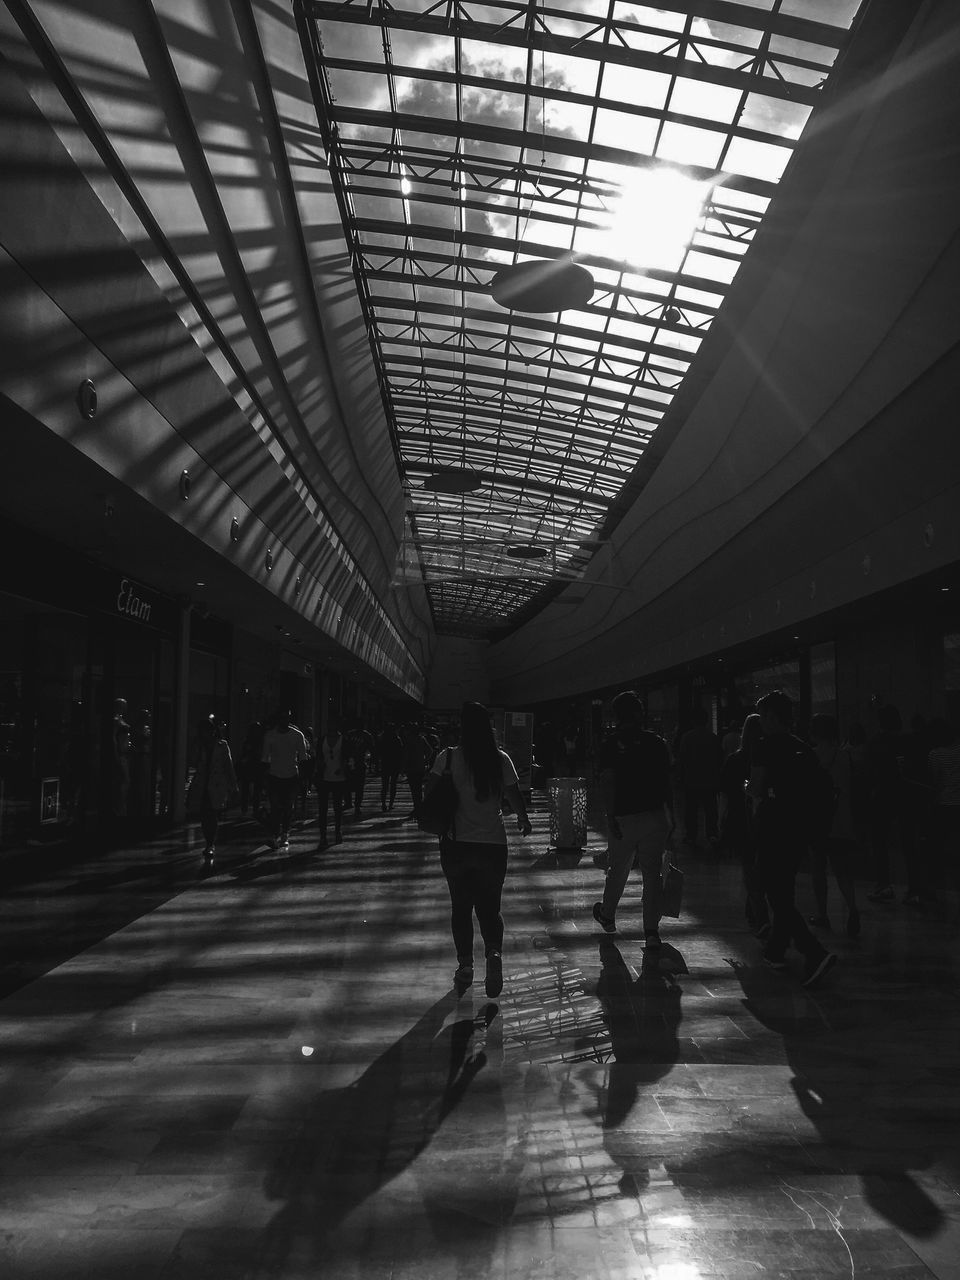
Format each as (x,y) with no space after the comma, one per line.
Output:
(461,138)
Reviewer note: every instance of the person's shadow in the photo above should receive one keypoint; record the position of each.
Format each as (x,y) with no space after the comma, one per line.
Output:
(642,1015)
(842,1087)
(354,1141)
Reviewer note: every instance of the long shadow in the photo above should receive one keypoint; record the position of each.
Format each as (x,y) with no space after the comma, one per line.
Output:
(858,1084)
(643,1016)
(356,1140)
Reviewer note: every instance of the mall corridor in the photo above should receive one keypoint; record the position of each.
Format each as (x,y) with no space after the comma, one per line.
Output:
(263,1071)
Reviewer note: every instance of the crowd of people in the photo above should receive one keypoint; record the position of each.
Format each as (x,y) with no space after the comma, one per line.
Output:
(278,763)
(779,801)
(760,791)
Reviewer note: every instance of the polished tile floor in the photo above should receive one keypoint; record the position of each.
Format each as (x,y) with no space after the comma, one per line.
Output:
(263,1071)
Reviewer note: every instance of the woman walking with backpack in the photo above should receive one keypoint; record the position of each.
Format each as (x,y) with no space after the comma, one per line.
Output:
(474,855)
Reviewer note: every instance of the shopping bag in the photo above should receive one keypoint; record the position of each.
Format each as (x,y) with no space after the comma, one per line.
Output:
(672,888)
(437,810)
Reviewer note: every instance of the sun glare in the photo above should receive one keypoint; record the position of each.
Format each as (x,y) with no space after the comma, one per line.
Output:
(653,220)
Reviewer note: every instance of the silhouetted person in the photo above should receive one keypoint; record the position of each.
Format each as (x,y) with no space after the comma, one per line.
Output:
(306,770)
(284,747)
(359,750)
(215,779)
(331,781)
(780,773)
(250,771)
(121,739)
(698,773)
(417,757)
(730,742)
(390,755)
(737,823)
(474,857)
(635,782)
(836,848)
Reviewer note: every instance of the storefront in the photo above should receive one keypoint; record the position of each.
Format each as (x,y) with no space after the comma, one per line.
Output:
(87,677)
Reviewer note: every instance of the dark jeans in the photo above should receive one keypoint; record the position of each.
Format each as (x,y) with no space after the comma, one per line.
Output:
(891,822)
(251,786)
(327,792)
(741,843)
(388,787)
(355,784)
(209,822)
(837,854)
(778,860)
(416,790)
(475,875)
(696,799)
(282,793)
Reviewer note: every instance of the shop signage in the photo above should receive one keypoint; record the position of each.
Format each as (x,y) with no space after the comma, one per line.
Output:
(129,600)
(126,598)
(131,603)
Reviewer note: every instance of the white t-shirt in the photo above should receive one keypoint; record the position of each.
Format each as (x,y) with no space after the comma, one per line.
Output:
(477,821)
(281,751)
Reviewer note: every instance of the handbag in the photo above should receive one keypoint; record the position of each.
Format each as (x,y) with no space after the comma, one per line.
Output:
(672,894)
(438,809)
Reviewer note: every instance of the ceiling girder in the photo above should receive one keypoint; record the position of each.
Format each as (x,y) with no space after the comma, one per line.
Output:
(605,39)
(554,412)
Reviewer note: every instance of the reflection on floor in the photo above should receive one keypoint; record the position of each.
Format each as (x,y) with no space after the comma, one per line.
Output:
(263,1071)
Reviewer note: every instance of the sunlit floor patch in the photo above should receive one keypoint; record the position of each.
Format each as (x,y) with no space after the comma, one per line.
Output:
(273,1077)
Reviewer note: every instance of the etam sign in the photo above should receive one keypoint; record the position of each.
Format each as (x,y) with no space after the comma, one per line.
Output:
(131,604)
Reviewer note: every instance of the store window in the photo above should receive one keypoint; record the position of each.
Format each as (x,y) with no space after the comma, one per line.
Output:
(823,679)
(45,760)
(752,685)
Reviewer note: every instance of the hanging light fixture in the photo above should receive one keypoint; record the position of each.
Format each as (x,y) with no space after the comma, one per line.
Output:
(453,480)
(527,551)
(543,285)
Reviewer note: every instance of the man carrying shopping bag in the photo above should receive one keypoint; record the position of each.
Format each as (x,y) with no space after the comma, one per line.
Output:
(635,782)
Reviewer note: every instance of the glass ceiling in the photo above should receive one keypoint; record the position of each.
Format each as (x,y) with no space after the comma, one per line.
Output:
(641,142)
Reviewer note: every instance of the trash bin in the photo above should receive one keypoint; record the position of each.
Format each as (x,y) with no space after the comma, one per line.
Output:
(567,802)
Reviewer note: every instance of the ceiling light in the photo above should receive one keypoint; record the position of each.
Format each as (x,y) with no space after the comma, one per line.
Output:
(453,480)
(543,286)
(526,551)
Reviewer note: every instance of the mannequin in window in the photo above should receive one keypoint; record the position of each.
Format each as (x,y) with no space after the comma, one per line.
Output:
(122,747)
